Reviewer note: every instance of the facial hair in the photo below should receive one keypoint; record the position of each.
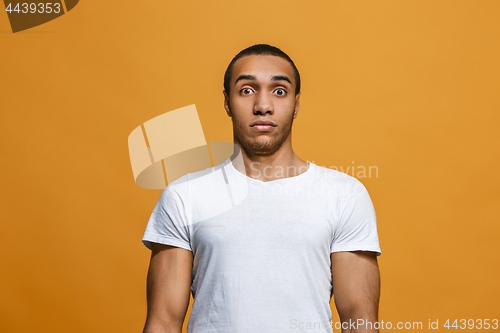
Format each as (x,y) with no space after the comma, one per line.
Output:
(255,145)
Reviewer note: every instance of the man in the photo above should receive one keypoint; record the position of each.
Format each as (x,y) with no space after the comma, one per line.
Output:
(265,239)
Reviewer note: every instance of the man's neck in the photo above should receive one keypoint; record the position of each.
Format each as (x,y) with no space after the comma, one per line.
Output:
(282,164)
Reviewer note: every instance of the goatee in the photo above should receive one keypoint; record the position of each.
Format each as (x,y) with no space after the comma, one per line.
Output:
(257,147)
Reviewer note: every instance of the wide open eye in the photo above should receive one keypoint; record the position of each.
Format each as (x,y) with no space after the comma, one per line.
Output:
(246,91)
(280,92)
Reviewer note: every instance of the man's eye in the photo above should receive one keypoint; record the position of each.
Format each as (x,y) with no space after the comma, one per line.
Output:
(280,92)
(246,91)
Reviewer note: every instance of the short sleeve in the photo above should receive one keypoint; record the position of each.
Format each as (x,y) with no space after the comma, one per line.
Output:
(166,224)
(356,227)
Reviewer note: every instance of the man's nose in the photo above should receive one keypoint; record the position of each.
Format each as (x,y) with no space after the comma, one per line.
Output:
(263,104)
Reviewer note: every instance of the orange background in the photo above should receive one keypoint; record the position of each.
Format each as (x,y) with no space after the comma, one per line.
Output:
(411,87)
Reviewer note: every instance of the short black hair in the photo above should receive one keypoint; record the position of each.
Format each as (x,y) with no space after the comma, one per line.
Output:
(260,49)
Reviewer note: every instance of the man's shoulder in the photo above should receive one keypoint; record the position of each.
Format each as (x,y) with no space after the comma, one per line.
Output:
(331,181)
(333,176)
(198,180)
(205,185)
(202,194)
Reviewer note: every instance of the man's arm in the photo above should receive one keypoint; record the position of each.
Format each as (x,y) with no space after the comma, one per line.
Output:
(168,288)
(356,289)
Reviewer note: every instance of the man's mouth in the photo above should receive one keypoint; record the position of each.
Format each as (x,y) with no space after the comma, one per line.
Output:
(261,127)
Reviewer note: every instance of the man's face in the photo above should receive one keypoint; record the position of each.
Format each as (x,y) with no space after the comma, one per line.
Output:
(262,88)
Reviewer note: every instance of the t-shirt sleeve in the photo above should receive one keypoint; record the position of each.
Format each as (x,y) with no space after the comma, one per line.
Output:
(167,222)
(356,228)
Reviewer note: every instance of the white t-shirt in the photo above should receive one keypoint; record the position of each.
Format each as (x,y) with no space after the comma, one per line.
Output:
(262,249)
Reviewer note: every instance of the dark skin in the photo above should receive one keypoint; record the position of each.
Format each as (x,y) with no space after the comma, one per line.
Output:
(262,88)
(168,288)
(356,286)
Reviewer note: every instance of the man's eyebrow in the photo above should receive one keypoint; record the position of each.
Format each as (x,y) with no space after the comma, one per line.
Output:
(253,78)
(281,78)
(245,77)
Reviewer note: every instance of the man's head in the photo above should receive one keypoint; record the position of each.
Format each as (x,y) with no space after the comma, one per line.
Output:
(260,49)
(262,84)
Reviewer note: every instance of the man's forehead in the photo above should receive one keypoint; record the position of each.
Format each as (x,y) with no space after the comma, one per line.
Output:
(262,66)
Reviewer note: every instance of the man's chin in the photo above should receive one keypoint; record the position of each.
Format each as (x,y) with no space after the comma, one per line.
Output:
(262,149)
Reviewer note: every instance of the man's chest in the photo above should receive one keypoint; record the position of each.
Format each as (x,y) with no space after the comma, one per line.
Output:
(266,225)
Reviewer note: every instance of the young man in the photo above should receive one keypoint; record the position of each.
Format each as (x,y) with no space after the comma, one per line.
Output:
(264,239)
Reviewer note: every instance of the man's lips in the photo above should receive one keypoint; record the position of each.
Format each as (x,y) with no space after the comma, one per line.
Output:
(263,123)
(260,128)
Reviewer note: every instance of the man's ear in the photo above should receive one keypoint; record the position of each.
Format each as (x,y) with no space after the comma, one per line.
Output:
(226,103)
(297,105)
